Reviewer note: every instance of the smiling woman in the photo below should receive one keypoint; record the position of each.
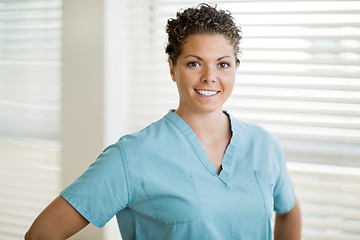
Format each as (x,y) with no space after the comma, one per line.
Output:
(198,172)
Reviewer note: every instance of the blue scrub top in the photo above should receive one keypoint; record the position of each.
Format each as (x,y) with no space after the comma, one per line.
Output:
(160,184)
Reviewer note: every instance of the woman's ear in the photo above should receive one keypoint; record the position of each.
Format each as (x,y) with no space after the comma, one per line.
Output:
(172,69)
(237,62)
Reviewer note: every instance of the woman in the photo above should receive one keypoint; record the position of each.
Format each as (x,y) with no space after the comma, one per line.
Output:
(197,173)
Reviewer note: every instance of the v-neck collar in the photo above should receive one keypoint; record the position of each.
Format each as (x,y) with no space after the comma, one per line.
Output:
(200,151)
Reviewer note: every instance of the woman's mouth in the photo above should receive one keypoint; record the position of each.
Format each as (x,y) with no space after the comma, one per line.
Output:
(207,93)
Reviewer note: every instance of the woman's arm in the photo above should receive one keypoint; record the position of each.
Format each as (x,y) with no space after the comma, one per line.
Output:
(288,225)
(59,220)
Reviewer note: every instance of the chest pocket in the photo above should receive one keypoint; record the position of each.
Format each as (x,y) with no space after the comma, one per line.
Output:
(266,182)
(173,197)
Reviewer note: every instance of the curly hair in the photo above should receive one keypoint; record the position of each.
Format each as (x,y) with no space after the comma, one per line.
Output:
(203,19)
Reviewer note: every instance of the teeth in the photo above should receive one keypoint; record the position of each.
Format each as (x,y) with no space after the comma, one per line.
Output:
(206,93)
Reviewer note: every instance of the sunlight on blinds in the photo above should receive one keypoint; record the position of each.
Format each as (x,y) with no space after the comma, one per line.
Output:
(298,78)
(30,71)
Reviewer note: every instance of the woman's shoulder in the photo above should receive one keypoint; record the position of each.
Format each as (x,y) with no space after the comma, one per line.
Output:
(249,127)
(253,132)
(156,131)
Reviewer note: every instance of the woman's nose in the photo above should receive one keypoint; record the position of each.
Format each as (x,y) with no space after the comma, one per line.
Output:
(209,75)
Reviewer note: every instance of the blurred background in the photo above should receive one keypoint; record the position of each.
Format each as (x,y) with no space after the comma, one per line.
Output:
(76,75)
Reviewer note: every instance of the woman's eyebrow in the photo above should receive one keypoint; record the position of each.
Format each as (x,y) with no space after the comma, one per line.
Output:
(194,56)
(220,58)
(223,57)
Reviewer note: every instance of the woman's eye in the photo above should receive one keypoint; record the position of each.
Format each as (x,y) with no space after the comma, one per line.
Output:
(193,64)
(224,65)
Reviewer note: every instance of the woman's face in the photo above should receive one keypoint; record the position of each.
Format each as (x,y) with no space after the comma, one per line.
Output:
(204,73)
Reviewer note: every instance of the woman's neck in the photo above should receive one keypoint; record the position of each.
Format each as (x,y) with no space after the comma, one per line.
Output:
(207,126)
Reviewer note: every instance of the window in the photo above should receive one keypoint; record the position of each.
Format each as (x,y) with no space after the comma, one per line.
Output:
(30,72)
(298,78)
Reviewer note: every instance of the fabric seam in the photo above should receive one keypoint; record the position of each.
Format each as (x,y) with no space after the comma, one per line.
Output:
(126,170)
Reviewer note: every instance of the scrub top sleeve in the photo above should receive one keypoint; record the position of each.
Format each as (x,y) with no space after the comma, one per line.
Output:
(101,191)
(284,194)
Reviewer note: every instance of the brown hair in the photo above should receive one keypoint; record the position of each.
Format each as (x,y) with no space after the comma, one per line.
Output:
(203,19)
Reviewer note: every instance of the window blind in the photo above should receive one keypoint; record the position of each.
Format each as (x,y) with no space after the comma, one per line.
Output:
(30,71)
(298,78)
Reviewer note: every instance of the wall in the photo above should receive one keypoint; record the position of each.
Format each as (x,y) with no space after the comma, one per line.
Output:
(95,90)
(82,93)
